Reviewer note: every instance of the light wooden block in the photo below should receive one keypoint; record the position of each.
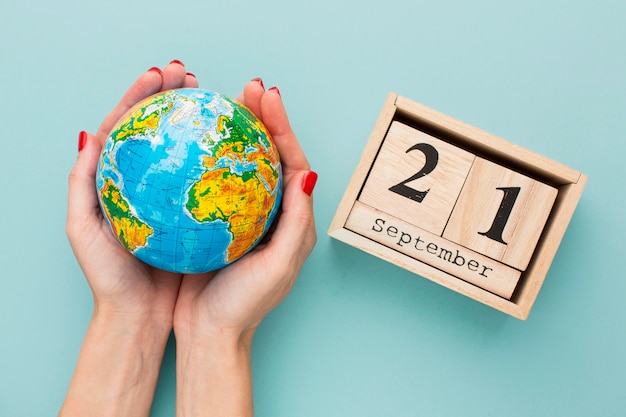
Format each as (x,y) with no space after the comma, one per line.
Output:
(437,216)
(433,250)
(437,189)
(500,213)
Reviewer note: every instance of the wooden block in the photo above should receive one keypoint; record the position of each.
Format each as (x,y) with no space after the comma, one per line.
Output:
(458,215)
(433,250)
(416,177)
(501,213)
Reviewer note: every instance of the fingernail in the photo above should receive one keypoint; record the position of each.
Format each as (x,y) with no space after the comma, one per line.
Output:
(191,74)
(260,81)
(82,140)
(156,69)
(175,61)
(309,181)
(275,89)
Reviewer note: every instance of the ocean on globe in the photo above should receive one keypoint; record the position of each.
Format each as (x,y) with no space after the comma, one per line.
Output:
(189,180)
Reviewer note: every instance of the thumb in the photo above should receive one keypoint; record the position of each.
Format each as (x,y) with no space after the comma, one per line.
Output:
(82,197)
(295,231)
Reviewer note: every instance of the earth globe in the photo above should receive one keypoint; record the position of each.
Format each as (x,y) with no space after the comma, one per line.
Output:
(189,180)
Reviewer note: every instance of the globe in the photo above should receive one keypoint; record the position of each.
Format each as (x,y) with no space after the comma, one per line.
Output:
(189,180)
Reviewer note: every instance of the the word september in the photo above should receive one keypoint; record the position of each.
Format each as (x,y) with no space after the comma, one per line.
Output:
(405,239)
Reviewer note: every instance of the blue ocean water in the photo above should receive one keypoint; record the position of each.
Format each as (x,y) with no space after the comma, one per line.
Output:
(157,187)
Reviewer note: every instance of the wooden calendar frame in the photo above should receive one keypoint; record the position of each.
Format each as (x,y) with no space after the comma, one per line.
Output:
(568,182)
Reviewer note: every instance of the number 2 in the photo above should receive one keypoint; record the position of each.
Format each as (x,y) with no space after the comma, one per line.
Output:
(432,158)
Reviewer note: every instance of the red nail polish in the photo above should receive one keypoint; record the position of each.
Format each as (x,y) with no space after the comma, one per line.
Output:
(175,61)
(260,81)
(82,140)
(156,69)
(275,89)
(309,181)
(191,74)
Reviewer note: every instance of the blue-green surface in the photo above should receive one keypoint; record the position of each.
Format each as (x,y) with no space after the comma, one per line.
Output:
(357,336)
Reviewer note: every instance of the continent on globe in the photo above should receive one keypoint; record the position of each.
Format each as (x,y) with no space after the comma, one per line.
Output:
(131,231)
(189,180)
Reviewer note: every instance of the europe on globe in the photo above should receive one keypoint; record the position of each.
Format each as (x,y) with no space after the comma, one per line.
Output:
(189,180)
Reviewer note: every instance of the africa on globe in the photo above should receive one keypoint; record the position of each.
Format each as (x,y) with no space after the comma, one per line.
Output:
(189,180)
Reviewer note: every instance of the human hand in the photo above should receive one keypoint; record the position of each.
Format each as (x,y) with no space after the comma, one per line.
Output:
(118,366)
(237,297)
(218,312)
(121,284)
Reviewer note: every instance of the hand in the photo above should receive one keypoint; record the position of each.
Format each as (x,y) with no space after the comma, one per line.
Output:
(237,297)
(217,313)
(120,282)
(118,366)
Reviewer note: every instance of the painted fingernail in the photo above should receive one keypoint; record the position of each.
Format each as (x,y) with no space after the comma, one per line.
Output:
(258,80)
(82,140)
(275,89)
(191,74)
(176,61)
(309,181)
(156,69)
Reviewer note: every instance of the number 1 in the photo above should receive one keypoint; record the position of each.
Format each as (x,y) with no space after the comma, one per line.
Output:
(503,214)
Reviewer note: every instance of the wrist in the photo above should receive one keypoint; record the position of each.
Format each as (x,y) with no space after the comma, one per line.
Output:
(213,338)
(134,318)
(118,366)
(138,328)
(214,373)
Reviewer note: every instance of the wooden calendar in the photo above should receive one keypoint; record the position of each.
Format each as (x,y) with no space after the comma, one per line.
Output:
(458,205)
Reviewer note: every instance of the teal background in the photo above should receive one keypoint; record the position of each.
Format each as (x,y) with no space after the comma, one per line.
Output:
(357,336)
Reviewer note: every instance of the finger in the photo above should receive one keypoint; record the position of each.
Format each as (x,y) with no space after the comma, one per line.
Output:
(174,75)
(276,120)
(148,83)
(252,94)
(295,232)
(190,81)
(82,197)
